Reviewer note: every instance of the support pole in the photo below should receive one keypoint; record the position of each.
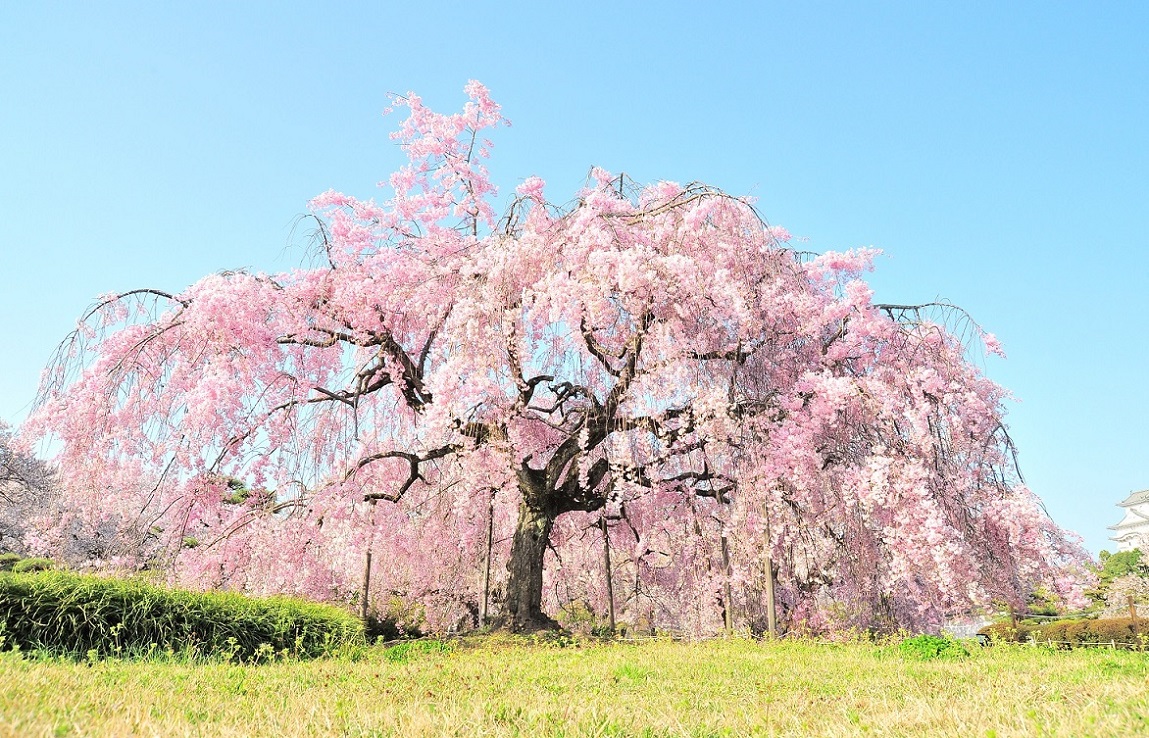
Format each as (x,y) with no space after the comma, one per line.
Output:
(487,564)
(367,569)
(771,613)
(1133,614)
(771,606)
(727,597)
(366,587)
(609,577)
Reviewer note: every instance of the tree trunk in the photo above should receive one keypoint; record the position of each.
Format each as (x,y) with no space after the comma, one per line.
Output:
(524,606)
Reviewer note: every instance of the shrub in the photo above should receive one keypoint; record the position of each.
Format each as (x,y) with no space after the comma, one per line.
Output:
(29,565)
(1056,631)
(388,627)
(1077,632)
(1073,633)
(927,647)
(1007,633)
(1113,630)
(8,560)
(82,615)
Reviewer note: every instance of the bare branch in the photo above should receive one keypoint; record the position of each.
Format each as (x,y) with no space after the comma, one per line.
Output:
(595,349)
(414,475)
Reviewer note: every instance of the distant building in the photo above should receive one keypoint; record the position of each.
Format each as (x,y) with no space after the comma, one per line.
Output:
(1133,530)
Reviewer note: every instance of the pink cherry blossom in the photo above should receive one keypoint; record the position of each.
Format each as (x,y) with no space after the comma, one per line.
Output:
(448,383)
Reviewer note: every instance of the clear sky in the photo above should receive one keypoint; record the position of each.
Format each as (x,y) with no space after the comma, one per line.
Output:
(997,152)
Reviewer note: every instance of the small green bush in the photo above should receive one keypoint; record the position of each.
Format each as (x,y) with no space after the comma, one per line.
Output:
(84,616)
(926,647)
(35,564)
(8,560)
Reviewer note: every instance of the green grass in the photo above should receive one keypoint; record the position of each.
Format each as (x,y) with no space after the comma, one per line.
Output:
(517,687)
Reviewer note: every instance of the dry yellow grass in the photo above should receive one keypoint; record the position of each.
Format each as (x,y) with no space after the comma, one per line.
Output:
(500,688)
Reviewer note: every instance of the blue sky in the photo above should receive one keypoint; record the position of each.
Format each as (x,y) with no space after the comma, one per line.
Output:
(998,153)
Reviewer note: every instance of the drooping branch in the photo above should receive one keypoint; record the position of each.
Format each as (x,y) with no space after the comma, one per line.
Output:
(414,473)
(596,349)
(953,319)
(375,378)
(141,291)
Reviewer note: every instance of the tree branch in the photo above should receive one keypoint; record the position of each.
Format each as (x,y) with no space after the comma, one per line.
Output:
(414,475)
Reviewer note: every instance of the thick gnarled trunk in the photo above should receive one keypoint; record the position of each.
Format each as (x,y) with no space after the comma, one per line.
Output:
(544,498)
(524,611)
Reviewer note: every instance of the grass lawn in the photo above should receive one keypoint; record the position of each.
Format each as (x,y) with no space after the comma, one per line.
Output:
(501,687)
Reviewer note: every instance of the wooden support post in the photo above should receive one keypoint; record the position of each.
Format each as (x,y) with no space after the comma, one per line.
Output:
(1133,613)
(365,601)
(771,613)
(727,598)
(771,606)
(366,587)
(487,562)
(609,577)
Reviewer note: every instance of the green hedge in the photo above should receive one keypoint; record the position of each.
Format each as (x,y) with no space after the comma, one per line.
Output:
(82,615)
(1073,633)
(26,565)
(8,560)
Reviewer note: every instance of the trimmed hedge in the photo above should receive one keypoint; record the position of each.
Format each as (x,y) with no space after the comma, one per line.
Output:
(27,565)
(83,615)
(1074,633)
(8,560)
